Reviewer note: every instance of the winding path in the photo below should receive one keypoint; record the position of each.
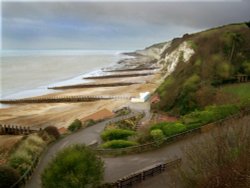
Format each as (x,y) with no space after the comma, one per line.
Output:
(84,136)
(116,167)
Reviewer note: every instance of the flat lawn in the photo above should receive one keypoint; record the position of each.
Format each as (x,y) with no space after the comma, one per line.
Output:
(242,91)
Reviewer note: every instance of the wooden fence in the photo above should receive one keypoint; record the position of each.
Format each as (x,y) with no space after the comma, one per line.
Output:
(143,175)
(16,130)
(25,177)
(66,99)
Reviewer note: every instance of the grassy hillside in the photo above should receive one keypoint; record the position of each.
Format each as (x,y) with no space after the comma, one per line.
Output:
(220,54)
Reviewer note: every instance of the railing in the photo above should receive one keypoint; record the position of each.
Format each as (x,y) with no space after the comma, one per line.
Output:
(143,175)
(25,177)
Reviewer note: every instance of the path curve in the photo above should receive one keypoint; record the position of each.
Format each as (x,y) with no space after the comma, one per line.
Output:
(84,136)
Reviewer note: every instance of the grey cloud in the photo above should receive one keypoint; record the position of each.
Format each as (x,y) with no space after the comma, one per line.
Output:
(203,14)
(126,23)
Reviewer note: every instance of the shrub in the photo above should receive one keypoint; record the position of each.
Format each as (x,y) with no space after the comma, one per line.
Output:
(246,67)
(27,151)
(21,161)
(116,134)
(35,140)
(157,136)
(75,166)
(89,122)
(8,176)
(210,114)
(52,131)
(169,128)
(75,125)
(118,144)
(223,70)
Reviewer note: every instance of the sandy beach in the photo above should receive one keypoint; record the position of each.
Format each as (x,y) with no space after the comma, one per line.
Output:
(62,114)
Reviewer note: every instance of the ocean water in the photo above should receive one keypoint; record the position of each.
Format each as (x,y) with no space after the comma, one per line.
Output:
(29,73)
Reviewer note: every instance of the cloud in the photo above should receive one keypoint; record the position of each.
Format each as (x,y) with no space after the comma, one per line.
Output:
(109,21)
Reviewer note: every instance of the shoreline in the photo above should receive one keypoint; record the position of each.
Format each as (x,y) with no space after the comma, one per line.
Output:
(41,115)
(42,89)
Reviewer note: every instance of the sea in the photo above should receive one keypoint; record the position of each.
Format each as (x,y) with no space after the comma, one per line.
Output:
(30,73)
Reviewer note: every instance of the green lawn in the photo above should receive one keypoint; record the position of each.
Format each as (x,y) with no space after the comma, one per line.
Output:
(242,91)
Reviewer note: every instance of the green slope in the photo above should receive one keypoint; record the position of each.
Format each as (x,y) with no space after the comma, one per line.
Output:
(220,54)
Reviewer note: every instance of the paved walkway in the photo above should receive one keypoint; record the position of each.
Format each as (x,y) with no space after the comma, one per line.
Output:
(84,136)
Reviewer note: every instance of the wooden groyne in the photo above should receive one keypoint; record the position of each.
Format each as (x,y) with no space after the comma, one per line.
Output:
(67,99)
(77,86)
(15,130)
(118,76)
(132,69)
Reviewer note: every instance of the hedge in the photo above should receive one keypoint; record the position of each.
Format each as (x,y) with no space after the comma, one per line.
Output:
(114,144)
(210,114)
(75,125)
(116,134)
(169,128)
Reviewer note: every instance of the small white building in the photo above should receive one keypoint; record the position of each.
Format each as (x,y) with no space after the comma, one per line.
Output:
(142,98)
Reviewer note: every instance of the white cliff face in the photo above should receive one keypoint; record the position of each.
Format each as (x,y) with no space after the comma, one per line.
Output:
(172,58)
(153,52)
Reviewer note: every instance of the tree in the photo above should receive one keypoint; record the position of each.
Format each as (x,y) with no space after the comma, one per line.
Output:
(220,159)
(8,176)
(52,131)
(236,41)
(74,167)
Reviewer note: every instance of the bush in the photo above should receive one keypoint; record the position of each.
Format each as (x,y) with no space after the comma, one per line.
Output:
(52,131)
(75,125)
(8,176)
(114,144)
(157,136)
(89,122)
(170,128)
(21,161)
(75,166)
(116,134)
(210,114)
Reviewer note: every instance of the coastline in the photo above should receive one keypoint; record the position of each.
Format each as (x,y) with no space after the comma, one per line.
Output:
(62,114)
(64,79)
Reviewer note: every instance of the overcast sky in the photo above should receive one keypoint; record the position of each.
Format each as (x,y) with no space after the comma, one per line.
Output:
(111,25)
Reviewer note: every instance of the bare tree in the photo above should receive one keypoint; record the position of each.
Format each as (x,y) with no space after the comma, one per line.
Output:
(220,159)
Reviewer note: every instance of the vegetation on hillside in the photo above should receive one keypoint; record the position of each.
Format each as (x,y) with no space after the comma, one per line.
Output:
(220,159)
(220,55)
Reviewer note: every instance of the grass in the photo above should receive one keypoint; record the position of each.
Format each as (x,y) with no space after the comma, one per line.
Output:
(241,91)
(26,152)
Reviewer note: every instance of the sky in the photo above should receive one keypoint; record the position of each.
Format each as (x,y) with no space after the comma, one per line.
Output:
(110,25)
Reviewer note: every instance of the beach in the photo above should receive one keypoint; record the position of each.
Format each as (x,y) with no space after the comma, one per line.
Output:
(41,115)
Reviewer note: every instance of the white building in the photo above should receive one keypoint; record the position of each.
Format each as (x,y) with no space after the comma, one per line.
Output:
(142,98)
